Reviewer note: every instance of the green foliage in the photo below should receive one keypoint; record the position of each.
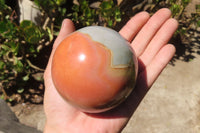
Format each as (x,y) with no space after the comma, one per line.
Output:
(83,14)
(107,14)
(18,44)
(176,6)
(110,13)
(197,15)
(53,8)
(30,32)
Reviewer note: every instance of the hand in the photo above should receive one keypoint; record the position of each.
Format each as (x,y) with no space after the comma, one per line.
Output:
(149,37)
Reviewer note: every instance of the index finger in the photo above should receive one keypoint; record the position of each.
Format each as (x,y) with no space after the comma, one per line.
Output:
(133,26)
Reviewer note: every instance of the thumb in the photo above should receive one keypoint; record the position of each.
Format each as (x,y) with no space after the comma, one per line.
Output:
(66,28)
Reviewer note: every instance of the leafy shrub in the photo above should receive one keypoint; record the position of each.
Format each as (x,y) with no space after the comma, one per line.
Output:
(19,43)
(107,14)
(82,14)
(110,13)
(54,10)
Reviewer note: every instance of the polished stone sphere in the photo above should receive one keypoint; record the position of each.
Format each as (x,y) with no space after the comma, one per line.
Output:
(94,69)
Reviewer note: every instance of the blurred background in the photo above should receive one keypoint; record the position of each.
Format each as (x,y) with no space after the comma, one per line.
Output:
(28,29)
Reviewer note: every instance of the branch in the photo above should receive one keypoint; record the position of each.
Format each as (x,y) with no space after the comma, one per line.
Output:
(33,66)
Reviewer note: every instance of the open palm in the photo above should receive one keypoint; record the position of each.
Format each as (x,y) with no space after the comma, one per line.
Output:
(148,37)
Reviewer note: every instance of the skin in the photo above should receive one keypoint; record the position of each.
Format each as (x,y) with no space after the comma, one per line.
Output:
(149,38)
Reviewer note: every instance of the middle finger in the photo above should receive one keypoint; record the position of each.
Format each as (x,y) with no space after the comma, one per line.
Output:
(145,35)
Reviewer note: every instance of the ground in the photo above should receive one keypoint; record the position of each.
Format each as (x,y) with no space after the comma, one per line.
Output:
(171,106)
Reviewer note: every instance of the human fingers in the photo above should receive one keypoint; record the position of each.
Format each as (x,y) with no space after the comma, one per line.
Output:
(155,67)
(148,75)
(134,25)
(148,31)
(161,38)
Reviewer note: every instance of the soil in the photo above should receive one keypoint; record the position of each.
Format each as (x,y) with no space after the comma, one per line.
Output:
(172,104)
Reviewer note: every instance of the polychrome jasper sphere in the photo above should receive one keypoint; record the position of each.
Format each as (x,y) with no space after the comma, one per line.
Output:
(94,69)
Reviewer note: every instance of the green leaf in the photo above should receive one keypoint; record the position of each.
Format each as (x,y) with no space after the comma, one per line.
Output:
(75,8)
(117,12)
(7,17)
(2,4)
(21,90)
(110,23)
(49,34)
(32,49)
(9,100)
(198,8)
(88,13)
(2,96)
(106,5)
(185,2)
(2,65)
(3,27)
(26,23)
(84,4)
(7,29)
(18,65)
(14,47)
(32,34)
(26,78)
(175,8)
(198,23)
(60,2)
(87,23)
(56,33)
(62,11)
(33,39)
(5,47)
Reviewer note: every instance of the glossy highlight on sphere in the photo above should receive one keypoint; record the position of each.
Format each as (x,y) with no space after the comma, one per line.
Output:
(94,69)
